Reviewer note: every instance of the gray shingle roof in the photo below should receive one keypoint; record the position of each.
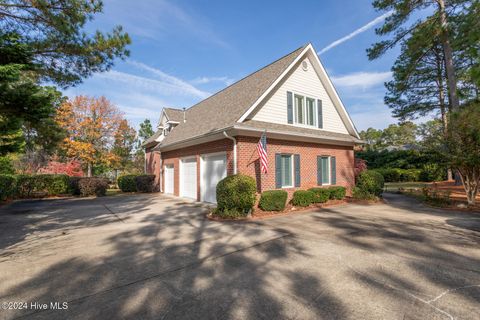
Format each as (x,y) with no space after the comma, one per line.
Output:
(225,107)
(174,114)
(152,139)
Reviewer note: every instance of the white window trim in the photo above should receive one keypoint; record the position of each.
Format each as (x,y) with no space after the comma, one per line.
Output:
(292,169)
(329,160)
(304,108)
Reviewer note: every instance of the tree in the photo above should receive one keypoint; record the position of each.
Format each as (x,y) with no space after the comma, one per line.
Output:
(373,137)
(146,130)
(72,168)
(399,135)
(125,139)
(26,108)
(62,51)
(90,124)
(461,149)
(433,27)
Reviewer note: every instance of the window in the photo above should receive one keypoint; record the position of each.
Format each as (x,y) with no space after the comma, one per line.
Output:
(305,110)
(325,170)
(299,110)
(311,112)
(286,170)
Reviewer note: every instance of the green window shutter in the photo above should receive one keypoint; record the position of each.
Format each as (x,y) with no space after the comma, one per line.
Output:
(289,107)
(297,170)
(278,171)
(320,113)
(333,167)
(319,170)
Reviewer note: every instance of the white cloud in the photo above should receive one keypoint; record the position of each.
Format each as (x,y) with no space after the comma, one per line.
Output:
(204,80)
(356,32)
(362,80)
(177,84)
(155,19)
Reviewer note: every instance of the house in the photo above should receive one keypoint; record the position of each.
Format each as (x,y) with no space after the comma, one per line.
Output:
(310,136)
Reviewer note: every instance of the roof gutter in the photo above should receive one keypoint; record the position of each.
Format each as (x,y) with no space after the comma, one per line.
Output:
(234,151)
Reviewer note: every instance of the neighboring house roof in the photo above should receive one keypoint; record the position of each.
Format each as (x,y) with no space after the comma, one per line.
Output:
(230,107)
(225,107)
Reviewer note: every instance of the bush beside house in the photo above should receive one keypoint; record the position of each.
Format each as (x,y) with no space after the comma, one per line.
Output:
(136,183)
(236,195)
(273,200)
(369,185)
(321,195)
(303,198)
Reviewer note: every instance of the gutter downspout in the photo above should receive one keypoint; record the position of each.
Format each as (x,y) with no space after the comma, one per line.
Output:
(234,151)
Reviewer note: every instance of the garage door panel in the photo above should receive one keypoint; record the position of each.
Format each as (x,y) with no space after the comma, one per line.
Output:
(169,179)
(214,169)
(188,178)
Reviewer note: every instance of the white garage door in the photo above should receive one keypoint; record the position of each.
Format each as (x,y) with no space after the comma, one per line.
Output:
(169,179)
(214,169)
(188,178)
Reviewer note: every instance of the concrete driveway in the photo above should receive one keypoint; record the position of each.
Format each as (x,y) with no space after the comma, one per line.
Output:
(148,256)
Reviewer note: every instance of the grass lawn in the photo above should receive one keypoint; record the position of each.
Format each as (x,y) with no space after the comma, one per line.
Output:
(394,186)
(113,192)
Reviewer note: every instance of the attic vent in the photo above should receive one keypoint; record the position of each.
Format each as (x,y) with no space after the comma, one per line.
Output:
(304,65)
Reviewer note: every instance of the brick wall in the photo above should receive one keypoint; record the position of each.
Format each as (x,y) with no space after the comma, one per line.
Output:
(248,162)
(173,157)
(153,163)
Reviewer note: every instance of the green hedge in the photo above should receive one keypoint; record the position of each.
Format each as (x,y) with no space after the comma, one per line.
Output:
(303,198)
(273,200)
(236,195)
(127,183)
(400,175)
(337,193)
(370,182)
(145,182)
(321,195)
(93,186)
(136,182)
(7,186)
(28,186)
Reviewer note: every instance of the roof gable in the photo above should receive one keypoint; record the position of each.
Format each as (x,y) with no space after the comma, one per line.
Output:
(224,108)
(311,55)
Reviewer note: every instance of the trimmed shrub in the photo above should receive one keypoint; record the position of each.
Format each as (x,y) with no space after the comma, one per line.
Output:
(410,175)
(127,183)
(337,193)
(25,185)
(303,198)
(41,185)
(273,200)
(360,194)
(73,185)
(320,195)
(390,174)
(92,186)
(55,184)
(145,182)
(236,195)
(7,186)
(370,181)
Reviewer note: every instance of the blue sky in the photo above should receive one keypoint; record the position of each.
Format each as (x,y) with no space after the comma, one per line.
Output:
(183,51)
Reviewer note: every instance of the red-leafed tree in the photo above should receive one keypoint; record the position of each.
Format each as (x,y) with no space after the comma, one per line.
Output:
(72,168)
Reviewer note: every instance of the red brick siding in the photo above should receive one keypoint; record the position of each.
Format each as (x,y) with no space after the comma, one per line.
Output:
(173,157)
(153,163)
(248,162)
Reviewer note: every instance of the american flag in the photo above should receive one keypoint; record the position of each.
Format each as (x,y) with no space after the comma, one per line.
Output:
(262,152)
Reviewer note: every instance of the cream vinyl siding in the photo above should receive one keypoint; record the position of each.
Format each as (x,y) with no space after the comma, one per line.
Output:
(306,83)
